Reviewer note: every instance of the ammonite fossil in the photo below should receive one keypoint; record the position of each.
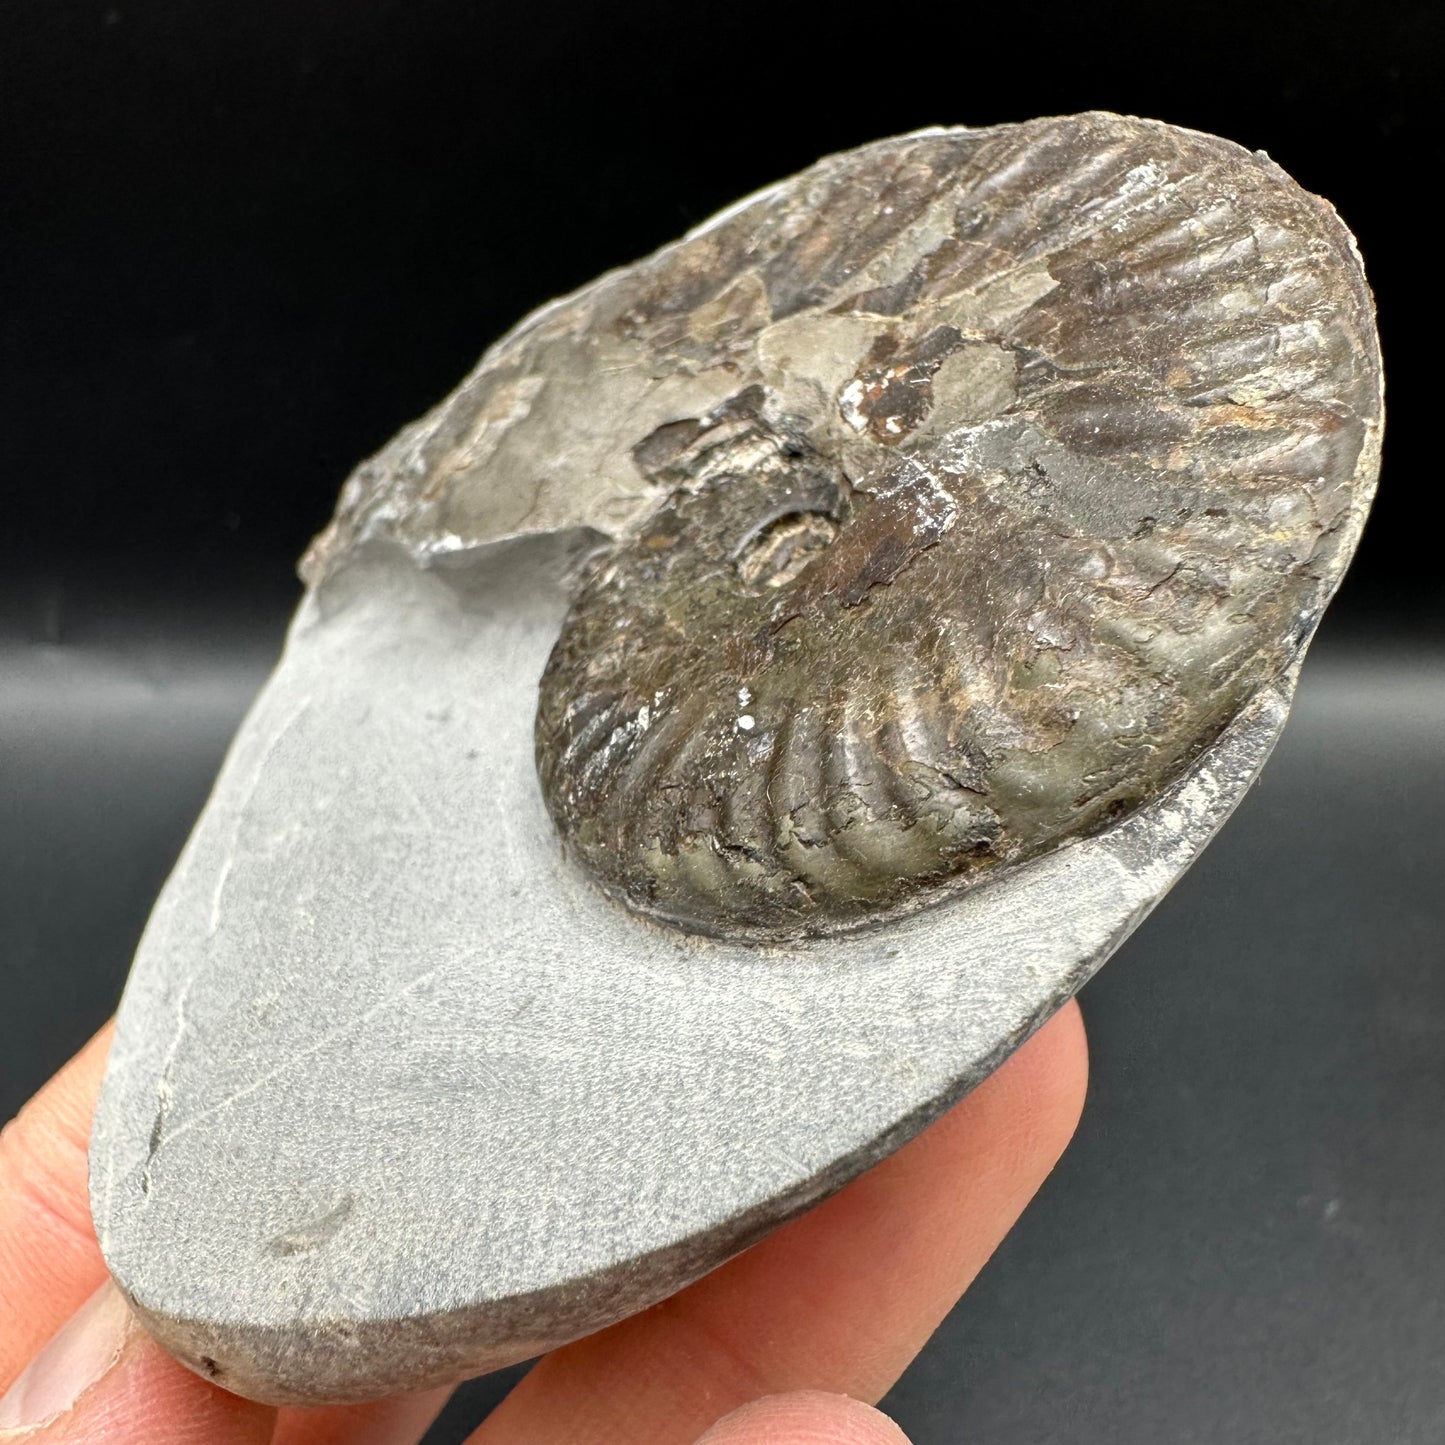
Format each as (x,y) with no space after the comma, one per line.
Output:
(982,476)
(954,513)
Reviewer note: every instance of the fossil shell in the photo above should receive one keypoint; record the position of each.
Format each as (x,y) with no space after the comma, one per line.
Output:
(957,492)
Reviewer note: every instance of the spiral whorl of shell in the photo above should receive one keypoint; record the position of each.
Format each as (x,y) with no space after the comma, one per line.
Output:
(958,491)
(1109,384)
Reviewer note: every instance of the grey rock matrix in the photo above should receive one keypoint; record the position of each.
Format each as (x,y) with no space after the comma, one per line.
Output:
(915,562)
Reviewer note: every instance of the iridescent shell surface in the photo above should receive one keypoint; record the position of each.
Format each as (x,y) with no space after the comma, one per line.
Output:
(950,498)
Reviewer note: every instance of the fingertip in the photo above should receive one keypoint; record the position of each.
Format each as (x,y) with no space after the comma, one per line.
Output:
(397,1421)
(1056,1065)
(1025,1113)
(49,1260)
(103,1381)
(1013,1126)
(804,1417)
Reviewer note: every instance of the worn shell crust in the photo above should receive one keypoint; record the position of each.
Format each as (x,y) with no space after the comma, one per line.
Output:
(958,491)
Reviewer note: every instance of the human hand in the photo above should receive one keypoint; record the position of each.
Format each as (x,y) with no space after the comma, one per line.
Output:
(778,1347)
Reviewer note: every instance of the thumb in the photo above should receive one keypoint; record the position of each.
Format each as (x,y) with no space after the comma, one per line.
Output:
(101,1380)
(805,1417)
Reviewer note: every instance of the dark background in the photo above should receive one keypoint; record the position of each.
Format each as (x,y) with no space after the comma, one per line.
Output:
(241,243)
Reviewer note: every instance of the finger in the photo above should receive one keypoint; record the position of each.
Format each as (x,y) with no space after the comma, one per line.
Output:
(400,1421)
(49,1260)
(50,1263)
(806,1417)
(102,1381)
(840,1299)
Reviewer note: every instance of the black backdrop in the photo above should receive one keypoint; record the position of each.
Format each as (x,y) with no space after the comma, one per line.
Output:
(241,243)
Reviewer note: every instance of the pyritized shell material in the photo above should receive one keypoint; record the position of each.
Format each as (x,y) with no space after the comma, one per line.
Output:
(954,494)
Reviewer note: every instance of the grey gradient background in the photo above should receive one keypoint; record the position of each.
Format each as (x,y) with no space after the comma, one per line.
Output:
(241,243)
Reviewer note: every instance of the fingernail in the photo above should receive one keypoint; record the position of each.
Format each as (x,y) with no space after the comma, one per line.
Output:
(76,1357)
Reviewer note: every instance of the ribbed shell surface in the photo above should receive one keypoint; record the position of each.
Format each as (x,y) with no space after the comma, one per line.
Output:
(1042,441)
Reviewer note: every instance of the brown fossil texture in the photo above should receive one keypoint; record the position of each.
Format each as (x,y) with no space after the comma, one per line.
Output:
(955,494)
